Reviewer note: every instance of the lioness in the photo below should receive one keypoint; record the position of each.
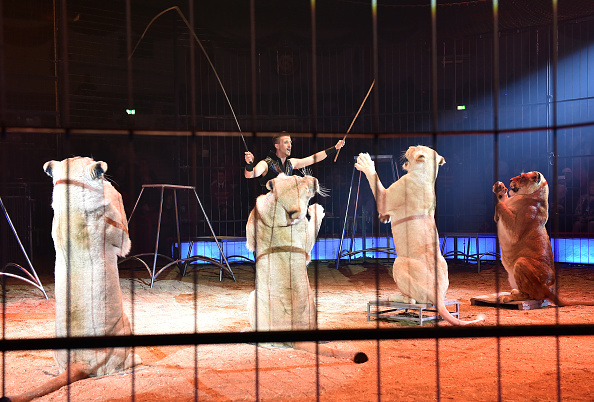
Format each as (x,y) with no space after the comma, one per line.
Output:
(420,271)
(89,230)
(526,254)
(283,237)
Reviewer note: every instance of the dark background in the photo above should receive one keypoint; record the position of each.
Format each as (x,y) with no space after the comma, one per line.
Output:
(67,80)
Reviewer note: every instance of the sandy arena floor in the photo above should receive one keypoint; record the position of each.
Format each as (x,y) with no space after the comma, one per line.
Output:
(406,369)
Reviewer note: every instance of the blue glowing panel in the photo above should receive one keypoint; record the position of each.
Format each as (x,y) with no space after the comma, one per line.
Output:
(575,251)
(236,248)
(449,245)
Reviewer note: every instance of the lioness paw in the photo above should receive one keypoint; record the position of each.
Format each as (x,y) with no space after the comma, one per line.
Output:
(499,189)
(365,164)
(316,210)
(384,218)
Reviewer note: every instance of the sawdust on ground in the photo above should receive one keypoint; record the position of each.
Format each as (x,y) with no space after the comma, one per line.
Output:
(486,369)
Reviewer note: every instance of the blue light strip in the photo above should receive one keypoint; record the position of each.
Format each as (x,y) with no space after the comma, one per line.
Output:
(565,250)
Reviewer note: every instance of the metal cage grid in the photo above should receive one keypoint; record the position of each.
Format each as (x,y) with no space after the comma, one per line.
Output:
(524,94)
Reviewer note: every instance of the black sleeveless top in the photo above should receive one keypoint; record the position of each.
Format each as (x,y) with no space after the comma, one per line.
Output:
(275,167)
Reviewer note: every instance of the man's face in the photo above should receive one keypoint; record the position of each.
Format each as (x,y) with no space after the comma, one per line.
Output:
(284,146)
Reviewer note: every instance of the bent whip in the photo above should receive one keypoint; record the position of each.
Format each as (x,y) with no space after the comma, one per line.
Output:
(176,8)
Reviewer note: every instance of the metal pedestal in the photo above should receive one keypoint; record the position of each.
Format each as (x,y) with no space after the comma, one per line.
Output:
(223,265)
(402,311)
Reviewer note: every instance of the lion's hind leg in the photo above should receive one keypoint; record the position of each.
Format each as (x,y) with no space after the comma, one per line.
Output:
(401,298)
(533,280)
(413,280)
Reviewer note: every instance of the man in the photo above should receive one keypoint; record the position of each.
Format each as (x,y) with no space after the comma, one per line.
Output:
(278,161)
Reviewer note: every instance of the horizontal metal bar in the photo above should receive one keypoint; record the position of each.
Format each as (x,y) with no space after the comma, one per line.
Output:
(206,338)
(303,134)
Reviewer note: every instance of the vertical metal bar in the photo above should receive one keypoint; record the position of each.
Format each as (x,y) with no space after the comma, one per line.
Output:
(253,65)
(555,180)
(65,110)
(2,75)
(130,102)
(192,122)
(157,240)
(254,98)
(376,129)
(314,128)
(434,139)
(495,91)
(179,257)
(193,175)
(314,69)
(2,136)
(376,125)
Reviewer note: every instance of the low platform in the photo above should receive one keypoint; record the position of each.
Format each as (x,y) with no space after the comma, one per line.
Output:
(491,301)
(414,313)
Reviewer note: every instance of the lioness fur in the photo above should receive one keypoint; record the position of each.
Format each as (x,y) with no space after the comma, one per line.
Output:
(89,230)
(283,237)
(420,271)
(526,254)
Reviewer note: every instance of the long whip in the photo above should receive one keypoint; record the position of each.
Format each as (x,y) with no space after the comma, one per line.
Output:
(355,118)
(176,8)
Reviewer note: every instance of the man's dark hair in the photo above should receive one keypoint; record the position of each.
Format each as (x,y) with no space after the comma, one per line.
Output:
(276,138)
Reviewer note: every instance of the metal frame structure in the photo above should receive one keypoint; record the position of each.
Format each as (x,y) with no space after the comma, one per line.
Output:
(154,273)
(31,276)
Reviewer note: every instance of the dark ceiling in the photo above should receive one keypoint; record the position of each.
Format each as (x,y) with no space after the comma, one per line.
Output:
(397,20)
(337,20)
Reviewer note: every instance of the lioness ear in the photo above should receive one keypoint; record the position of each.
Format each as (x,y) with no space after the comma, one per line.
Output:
(98,169)
(441,161)
(270,184)
(47,168)
(538,177)
(314,186)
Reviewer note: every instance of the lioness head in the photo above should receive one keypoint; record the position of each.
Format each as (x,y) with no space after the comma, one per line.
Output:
(526,183)
(78,169)
(422,157)
(292,195)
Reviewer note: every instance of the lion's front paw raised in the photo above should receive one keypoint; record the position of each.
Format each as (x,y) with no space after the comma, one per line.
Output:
(365,164)
(316,210)
(499,189)
(385,218)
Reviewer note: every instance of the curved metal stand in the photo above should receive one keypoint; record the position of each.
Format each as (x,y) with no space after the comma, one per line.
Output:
(241,257)
(154,273)
(32,279)
(342,253)
(387,250)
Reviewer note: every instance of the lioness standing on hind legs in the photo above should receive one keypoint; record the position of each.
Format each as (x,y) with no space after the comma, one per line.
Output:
(283,237)
(420,271)
(89,230)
